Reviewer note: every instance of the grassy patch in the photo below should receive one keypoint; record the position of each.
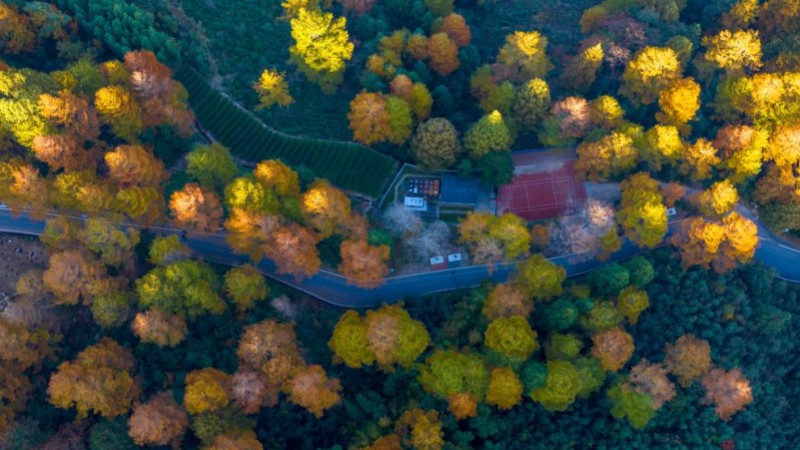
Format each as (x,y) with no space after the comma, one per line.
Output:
(248,36)
(346,165)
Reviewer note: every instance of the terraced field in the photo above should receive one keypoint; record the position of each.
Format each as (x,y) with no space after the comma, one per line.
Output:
(347,165)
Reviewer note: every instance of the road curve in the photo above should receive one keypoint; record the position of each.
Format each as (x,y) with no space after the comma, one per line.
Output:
(334,289)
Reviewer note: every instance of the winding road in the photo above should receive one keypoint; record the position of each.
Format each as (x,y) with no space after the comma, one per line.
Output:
(334,289)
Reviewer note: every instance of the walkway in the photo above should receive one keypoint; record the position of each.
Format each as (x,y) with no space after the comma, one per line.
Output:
(332,288)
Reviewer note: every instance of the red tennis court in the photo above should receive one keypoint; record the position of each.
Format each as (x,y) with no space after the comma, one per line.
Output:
(541,195)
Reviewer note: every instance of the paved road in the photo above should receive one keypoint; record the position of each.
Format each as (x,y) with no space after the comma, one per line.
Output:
(332,288)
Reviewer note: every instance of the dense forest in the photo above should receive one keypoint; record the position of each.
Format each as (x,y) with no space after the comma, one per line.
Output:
(134,130)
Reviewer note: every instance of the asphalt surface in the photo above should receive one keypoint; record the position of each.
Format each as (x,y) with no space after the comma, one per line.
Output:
(334,289)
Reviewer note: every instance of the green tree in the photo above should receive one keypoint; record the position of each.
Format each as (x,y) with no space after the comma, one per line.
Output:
(111,310)
(541,278)
(609,279)
(185,287)
(245,285)
(435,144)
(212,166)
(561,386)
(400,120)
(632,405)
(349,341)
(531,104)
(512,337)
(489,134)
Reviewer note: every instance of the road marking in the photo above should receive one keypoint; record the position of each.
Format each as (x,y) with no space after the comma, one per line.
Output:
(789,248)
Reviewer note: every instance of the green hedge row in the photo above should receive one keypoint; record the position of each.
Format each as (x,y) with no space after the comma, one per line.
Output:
(347,165)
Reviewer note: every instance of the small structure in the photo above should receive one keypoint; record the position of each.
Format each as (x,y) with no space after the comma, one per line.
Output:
(438,263)
(415,203)
(454,260)
(441,193)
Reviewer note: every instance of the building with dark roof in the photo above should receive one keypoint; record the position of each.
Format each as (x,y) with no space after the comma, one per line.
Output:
(458,191)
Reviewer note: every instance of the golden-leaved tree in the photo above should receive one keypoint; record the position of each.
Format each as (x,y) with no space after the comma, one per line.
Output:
(321,47)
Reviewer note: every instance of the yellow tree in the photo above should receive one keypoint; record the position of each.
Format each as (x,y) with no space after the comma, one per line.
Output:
(699,159)
(610,156)
(642,214)
(719,199)
(489,134)
(321,47)
(326,208)
(540,278)
(524,56)
(741,241)
(435,144)
(512,232)
(784,151)
(206,390)
(679,102)
(272,89)
(742,149)
(73,113)
(99,380)
(505,388)
(349,341)
(734,51)
(118,108)
(660,145)
(531,103)
(278,176)
(652,70)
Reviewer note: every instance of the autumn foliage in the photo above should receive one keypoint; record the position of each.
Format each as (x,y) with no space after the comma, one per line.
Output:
(643,215)
(728,391)
(613,348)
(195,208)
(159,421)
(99,381)
(206,390)
(442,54)
(311,388)
(688,358)
(387,336)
